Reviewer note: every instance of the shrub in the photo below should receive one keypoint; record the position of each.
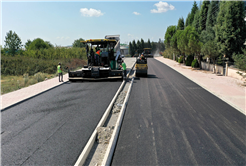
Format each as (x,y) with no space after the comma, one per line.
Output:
(195,63)
(180,59)
(189,60)
(25,76)
(39,76)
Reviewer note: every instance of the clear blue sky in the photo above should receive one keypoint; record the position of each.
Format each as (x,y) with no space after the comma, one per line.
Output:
(62,22)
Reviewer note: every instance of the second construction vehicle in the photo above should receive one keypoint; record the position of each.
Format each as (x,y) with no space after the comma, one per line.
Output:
(103,60)
(147,53)
(141,67)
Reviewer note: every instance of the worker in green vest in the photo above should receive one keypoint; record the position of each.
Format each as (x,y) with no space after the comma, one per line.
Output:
(59,70)
(123,65)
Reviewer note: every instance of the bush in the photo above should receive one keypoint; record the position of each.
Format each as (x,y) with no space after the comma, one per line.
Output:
(195,63)
(180,59)
(39,76)
(240,61)
(189,60)
(25,76)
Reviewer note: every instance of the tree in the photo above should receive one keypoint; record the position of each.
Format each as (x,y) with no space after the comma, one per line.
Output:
(131,51)
(203,15)
(213,10)
(50,45)
(240,60)
(210,50)
(193,12)
(230,28)
(180,25)
(78,43)
(139,47)
(134,46)
(195,44)
(27,44)
(148,44)
(187,20)
(142,45)
(38,44)
(169,34)
(1,50)
(207,35)
(12,43)
(174,43)
(196,20)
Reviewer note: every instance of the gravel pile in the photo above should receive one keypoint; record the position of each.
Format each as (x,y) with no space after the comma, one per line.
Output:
(104,134)
(119,102)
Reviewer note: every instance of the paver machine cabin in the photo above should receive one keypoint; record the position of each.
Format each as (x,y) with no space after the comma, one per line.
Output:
(103,60)
(147,53)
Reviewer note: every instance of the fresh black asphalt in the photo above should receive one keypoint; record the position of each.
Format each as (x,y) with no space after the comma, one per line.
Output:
(170,120)
(53,128)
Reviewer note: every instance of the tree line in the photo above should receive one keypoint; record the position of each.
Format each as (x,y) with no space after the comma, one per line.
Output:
(38,55)
(138,47)
(215,30)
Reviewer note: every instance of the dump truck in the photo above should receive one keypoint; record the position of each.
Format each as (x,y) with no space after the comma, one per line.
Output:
(104,60)
(147,53)
(141,67)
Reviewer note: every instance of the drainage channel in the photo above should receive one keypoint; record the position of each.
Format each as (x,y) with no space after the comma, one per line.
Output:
(100,147)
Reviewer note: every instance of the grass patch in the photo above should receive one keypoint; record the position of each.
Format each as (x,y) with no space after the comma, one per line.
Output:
(12,83)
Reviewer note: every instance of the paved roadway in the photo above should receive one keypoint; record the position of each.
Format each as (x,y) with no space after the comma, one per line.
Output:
(170,120)
(53,128)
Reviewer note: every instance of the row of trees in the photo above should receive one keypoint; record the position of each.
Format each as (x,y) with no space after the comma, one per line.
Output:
(217,28)
(38,56)
(138,47)
(13,44)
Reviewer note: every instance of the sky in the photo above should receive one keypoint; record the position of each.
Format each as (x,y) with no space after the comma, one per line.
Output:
(62,22)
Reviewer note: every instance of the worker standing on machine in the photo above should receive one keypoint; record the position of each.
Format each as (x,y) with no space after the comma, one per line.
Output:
(123,65)
(98,56)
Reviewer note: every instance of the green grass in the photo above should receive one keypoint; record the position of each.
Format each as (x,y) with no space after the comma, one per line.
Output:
(12,83)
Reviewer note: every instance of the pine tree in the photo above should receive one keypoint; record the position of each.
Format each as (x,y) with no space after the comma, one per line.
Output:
(203,15)
(142,45)
(139,46)
(131,51)
(148,44)
(169,34)
(134,46)
(196,21)
(231,28)
(187,20)
(213,11)
(180,24)
(193,12)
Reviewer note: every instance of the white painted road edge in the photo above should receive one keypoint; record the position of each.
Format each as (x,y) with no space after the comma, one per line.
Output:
(219,96)
(112,143)
(83,156)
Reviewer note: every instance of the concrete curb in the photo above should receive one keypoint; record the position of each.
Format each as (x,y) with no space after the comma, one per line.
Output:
(83,156)
(214,93)
(112,144)
(80,161)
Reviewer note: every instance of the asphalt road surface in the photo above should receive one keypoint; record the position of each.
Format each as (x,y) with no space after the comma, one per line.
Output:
(170,120)
(53,128)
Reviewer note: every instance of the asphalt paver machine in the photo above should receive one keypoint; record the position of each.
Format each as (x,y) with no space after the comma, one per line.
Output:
(103,60)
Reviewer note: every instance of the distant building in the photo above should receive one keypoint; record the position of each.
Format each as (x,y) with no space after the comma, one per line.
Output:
(124,50)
